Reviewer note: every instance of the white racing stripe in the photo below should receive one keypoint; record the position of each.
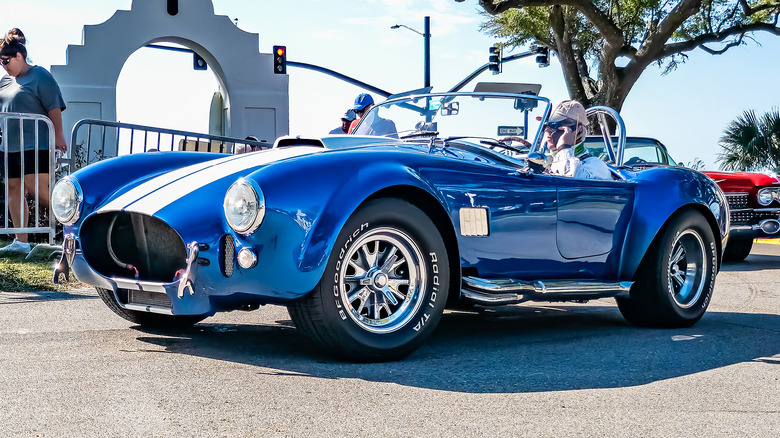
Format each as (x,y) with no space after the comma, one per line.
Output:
(155,183)
(155,194)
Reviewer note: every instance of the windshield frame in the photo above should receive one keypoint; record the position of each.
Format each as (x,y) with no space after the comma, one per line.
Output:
(412,100)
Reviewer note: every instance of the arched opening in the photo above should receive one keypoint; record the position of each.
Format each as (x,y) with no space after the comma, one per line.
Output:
(171,94)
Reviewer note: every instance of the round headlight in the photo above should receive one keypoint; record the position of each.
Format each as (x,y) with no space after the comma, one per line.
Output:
(765,196)
(66,200)
(244,206)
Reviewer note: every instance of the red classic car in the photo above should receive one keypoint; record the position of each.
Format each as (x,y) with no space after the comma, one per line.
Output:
(754,198)
(754,203)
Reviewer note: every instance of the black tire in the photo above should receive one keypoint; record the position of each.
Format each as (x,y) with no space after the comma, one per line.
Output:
(145,319)
(737,249)
(353,312)
(674,283)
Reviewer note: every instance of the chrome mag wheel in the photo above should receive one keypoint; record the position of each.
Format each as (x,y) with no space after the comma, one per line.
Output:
(383,280)
(686,268)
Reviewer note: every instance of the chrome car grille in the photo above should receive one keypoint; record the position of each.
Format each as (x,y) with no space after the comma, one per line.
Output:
(132,245)
(748,216)
(737,200)
(145,298)
(228,255)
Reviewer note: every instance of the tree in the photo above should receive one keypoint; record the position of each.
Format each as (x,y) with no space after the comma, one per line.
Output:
(590,36)
(752,143)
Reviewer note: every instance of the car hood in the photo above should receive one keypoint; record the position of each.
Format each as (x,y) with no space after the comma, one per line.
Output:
(740,181)
(193,182)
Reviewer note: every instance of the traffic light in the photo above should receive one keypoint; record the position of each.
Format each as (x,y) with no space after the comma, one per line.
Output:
(280,60)
(543,57)
(198,63)
(494,60)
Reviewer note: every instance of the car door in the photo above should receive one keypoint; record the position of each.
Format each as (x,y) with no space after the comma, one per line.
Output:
(518,236)
(592,216)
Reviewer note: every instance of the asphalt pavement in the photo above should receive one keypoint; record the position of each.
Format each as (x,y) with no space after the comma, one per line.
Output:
(70,368)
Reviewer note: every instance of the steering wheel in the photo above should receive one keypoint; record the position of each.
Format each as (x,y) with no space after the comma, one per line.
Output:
(496,145)
(634,161)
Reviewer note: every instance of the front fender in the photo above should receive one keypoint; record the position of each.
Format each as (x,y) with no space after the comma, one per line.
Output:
(309,203)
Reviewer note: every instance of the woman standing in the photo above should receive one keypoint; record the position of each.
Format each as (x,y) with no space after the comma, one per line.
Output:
(27,89)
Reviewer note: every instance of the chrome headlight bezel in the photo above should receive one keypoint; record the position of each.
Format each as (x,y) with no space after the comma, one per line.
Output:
(68,190)
(768,195)
(244,194)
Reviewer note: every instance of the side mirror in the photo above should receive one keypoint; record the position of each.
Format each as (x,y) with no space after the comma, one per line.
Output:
(450,109)
(536,162)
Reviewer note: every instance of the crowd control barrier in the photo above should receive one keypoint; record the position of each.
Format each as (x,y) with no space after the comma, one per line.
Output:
(93,140)
(23,129)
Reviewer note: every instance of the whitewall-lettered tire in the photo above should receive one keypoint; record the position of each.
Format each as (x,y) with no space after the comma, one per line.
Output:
(674,284)
(384,288)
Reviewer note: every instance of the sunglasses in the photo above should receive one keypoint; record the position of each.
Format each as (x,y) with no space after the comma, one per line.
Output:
(554,126)
(6,59)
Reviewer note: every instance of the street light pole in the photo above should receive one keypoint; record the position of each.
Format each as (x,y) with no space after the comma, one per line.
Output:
(427,48)
(427,64)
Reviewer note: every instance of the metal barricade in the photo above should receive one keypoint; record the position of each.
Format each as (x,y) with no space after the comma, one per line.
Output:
(11,125)
(93,140)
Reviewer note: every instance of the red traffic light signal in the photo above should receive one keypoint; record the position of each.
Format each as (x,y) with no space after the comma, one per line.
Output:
(280,60)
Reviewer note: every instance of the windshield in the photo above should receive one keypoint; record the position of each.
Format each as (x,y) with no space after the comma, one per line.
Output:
(494,116)
(637,151)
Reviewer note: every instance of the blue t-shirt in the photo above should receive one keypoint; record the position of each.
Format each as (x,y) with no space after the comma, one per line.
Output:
(36,92)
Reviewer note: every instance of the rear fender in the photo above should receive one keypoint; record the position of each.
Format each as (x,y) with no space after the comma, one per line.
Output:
(661,194)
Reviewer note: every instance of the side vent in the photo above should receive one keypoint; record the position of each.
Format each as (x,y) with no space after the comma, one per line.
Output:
(474,222)
(228,248)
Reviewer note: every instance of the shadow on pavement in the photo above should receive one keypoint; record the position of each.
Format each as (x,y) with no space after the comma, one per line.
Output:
(45,295)
(513,349)
(754,262)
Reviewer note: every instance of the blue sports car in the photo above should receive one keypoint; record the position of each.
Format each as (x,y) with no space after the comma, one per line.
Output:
(367,239)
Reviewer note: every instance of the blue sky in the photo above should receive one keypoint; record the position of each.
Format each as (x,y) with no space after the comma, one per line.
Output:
(687,109)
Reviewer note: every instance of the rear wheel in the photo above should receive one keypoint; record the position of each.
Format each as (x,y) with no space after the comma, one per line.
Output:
(146,319)
(674,284)
(737,249)
(384,288)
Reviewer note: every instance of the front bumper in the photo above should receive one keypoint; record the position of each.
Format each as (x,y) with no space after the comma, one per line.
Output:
(748,222)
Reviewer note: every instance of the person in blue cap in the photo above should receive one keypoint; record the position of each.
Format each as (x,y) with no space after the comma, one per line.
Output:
(363,103)
(374,124)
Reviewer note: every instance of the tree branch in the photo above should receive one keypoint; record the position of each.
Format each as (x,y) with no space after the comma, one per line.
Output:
(701,40)
(748,10)
(608,29)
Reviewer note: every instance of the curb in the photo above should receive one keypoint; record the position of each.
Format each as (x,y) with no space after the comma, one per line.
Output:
(768,241)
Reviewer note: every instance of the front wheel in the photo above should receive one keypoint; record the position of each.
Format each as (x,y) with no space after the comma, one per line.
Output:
(737,249)
(147,319)
(384,288)
(674,283)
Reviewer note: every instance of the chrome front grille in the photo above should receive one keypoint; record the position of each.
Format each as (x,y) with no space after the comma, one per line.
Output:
(146,298)
(737,200)
(742,216)
(228,255)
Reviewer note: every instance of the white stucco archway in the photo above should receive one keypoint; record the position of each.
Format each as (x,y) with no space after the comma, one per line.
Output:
(256,100)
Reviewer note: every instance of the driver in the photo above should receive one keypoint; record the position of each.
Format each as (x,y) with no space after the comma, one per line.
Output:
(564,136)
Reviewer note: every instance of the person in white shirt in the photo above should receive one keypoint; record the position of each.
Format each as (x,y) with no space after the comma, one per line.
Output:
(564,136)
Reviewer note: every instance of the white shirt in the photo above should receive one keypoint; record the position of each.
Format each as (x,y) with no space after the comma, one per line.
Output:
(564,163)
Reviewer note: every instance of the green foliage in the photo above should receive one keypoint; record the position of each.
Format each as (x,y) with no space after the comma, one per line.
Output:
(696,164)
(752,143)
(20,275)
(589,37)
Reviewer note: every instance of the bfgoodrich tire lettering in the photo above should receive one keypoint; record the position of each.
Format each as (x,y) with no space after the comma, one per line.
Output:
(384,288)
(144,319)
(674,284)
